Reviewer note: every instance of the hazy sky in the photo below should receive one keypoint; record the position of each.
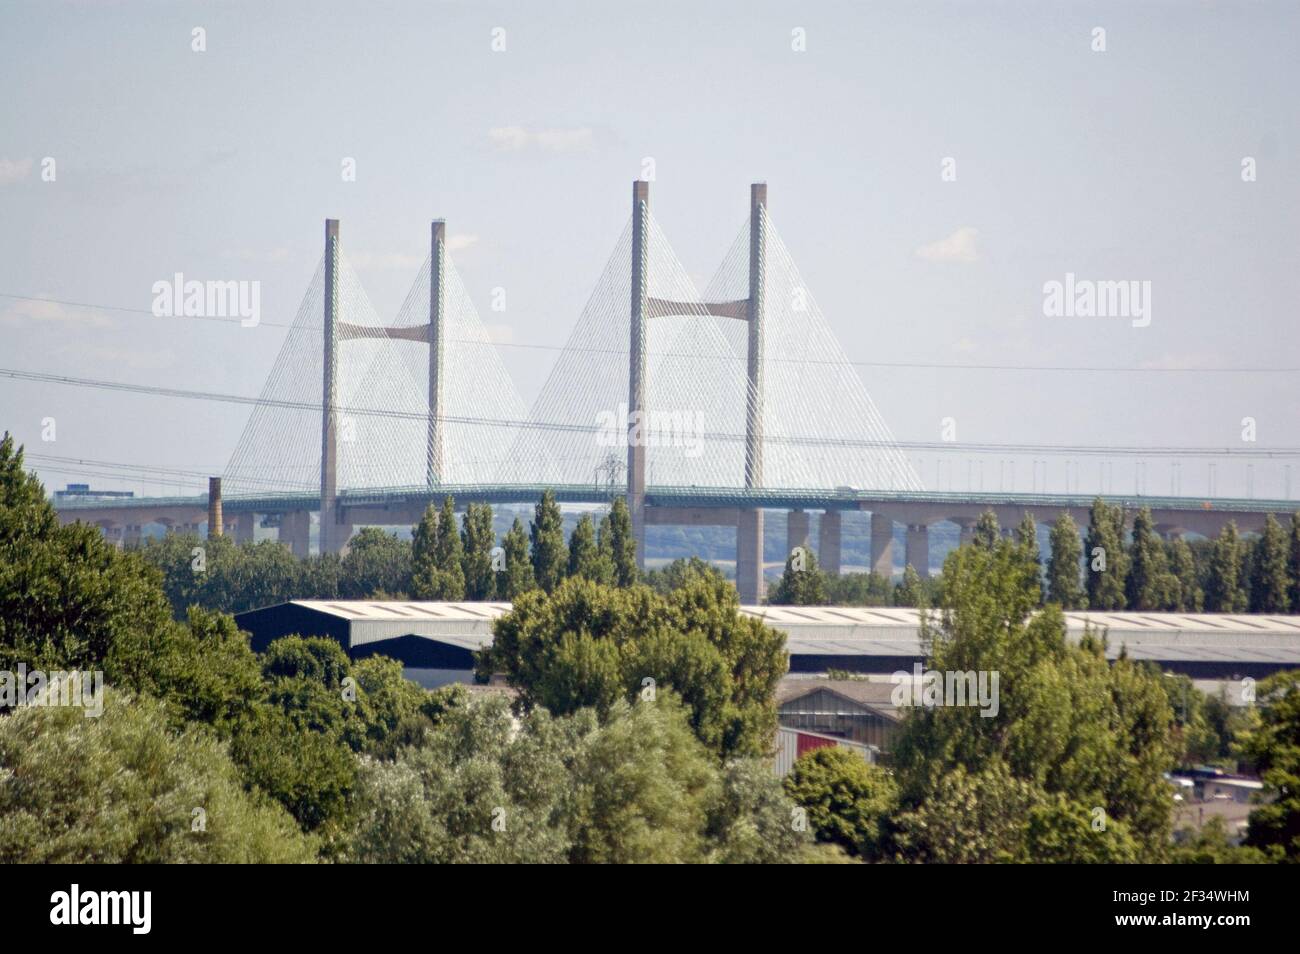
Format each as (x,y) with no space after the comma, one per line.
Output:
(1117,165)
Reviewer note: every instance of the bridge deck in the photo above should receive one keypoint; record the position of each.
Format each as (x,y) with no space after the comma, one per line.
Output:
(663,496)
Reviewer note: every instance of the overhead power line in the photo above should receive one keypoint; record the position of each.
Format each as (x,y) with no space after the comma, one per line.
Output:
(536,346)
(941,446)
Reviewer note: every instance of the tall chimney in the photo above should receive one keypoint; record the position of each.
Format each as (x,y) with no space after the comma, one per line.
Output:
(214,507)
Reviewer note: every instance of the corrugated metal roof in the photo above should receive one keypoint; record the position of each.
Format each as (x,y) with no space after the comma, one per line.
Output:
(395,611)
(868,631)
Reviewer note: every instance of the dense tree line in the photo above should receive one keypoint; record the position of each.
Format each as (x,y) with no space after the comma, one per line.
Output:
(446,559)
(1117,564)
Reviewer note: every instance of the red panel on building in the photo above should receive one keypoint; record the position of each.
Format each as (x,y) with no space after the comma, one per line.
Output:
(807,743)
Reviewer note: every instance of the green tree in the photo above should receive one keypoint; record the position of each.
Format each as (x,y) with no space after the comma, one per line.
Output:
(1224,592)
(1269,584)
(987,532)
(638,787)
(1066,722)
(473,790)
(1212,846)
(376,563)
(1027,546)
(910,591)
(622,543)
(859,589)
(478,539)
(643,789)
(1149,585)
(751,821)
(317,709)
(847,800)
(1027,538)
(550,556)
(967,817)
(123,788)
(1063,578)
(1204,724)
(437,556)
(803,583)
(587,558)
(680,572)
(68,599)
(1106,563)
(517,577)
(1061,831)
(424,558)
(1293,561)
(1273,744)
(450,554)
(588,645)
(1182,566)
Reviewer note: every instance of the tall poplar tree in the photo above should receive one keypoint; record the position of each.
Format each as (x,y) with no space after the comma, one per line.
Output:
(1148,586)
(550,555)
(517,577)
(622,544)
(802,583)
(478,539)
(1063,575)
(1224,592)
(1293,562)
(1268,576)
(1027,547)
(448,553)
(987,532)
(424,559)
(1105,562)
(587,558)
(1182,566)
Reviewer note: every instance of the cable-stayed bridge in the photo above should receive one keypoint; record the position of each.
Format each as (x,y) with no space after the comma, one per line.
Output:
(703,407)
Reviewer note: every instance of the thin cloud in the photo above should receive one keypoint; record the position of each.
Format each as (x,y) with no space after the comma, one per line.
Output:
(26,311)
(517,139)
(14,170)
(958,247)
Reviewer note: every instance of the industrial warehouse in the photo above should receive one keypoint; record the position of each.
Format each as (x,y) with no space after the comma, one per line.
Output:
(436,642)
(841,687)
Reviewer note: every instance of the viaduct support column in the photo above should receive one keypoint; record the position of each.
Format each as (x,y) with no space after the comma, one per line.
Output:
(295,531)
(918,548)
(244,524)
(830,541)
(882,545)
(436,461)
(796,530)
(749,556)
(637,367)
(329,406)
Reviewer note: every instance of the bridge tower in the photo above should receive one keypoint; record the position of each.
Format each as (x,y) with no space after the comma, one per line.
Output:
(437,310)
(329,399)
(749,522)
(637,365)
(334,527)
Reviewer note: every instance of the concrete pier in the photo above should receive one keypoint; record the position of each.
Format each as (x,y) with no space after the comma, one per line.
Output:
(828,548)
(882,545)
